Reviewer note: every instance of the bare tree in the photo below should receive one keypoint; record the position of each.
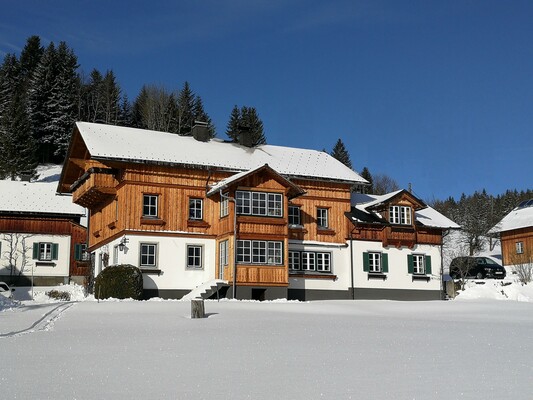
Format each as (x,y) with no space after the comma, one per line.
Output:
(522,265)
(17,253)
(383,184)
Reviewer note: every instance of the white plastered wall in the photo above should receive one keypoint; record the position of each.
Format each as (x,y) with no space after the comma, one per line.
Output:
(59,267)
(171,260)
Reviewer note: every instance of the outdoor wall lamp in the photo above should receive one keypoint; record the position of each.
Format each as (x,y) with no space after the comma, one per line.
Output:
(122,244)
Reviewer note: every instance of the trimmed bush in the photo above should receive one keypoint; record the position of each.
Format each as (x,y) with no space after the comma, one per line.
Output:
(120,282)
(58,295)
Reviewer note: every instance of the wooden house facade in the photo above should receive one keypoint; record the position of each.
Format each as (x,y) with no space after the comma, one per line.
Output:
(516,235)
(40,236)
(269,221)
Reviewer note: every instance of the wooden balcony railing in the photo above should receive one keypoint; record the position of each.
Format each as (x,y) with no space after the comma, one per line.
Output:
(94,188)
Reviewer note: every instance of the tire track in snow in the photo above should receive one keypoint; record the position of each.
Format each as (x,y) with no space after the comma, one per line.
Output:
(45,323)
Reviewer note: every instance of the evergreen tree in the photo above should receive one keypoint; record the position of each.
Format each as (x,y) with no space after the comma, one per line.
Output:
(200,115)
(246,120)
(110,92)
(9,82)
(185,110)
(365,174)
(125,116)
(138,105)
(29,58)
(340,153)
(232,129)
(17,146)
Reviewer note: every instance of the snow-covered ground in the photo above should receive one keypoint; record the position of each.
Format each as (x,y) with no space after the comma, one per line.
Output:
(463,349)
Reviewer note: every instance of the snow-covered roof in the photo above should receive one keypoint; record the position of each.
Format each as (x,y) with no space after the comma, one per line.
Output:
(520,217)
(427,216)
(109,142)
(36,197)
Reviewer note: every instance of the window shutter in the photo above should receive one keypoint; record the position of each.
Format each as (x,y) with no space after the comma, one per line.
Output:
(410,263)
(55,248)
(384,262)
(365,262)
(77,252)
(35,251)
(428,265)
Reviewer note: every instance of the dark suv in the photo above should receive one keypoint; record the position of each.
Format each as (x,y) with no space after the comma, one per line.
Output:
(476,267)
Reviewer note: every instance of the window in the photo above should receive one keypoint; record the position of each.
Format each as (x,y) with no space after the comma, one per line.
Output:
(224,205)
(308,261)
(375,262)
(45,251)
(80,252)
(194,257)
(259,252)
(150,205)
(148,255)
(294,260)
(322,217)
(115,255)
(223,253)
(400,215)
(519,247)
(419,264)
(322,262)
(195,209)
(259,203)
(294,215)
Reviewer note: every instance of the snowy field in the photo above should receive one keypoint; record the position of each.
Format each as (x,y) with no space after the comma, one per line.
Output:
(474,347)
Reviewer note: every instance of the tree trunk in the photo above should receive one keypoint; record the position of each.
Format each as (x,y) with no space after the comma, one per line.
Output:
(197,308)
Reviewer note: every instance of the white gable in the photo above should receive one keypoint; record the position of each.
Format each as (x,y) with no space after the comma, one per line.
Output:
(36,197)
(129,144)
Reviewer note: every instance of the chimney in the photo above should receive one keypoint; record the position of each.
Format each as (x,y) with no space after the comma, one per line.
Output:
(200,131)
(245,137)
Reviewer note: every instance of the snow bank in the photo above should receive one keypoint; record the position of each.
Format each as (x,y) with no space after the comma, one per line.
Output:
(496,290)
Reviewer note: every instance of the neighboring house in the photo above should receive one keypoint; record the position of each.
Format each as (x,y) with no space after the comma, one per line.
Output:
(40,235)
(516,235)
(187,210)
(397,247)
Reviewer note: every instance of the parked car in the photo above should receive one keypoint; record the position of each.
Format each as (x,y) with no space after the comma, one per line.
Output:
(5,290)
(476,267)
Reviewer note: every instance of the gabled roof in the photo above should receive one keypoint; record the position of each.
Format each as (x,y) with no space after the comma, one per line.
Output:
(364,208)
(115,143)
(294,191)
(36,198)
(520,217)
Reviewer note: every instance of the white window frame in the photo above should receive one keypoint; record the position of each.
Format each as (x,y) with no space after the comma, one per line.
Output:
(400,215)
(308,261)
(115,254)
(196,207)
(322,219)
(374,262)
(224,206)
(148,255)
(295,215)
(150,208)
(323,262)
(519,247)
(259,203)
(223,248)
(294,260)
(195,260)
(261,252)
(45,251)
(419,264)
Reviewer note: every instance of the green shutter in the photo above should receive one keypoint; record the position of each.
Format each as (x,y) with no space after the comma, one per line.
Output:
(410,263)
(35,251)
(55,248)
(384,262)
(365,262)
(428,265)
(77,252)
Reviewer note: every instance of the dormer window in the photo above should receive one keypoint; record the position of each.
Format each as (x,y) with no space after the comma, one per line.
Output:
(400,215)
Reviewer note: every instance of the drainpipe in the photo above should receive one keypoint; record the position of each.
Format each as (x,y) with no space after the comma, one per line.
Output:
(234,286)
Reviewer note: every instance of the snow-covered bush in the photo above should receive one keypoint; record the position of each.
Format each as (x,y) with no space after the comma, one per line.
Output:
(120,282)
(58,295)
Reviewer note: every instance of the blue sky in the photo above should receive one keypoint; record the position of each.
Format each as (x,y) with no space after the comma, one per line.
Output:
(438,94)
